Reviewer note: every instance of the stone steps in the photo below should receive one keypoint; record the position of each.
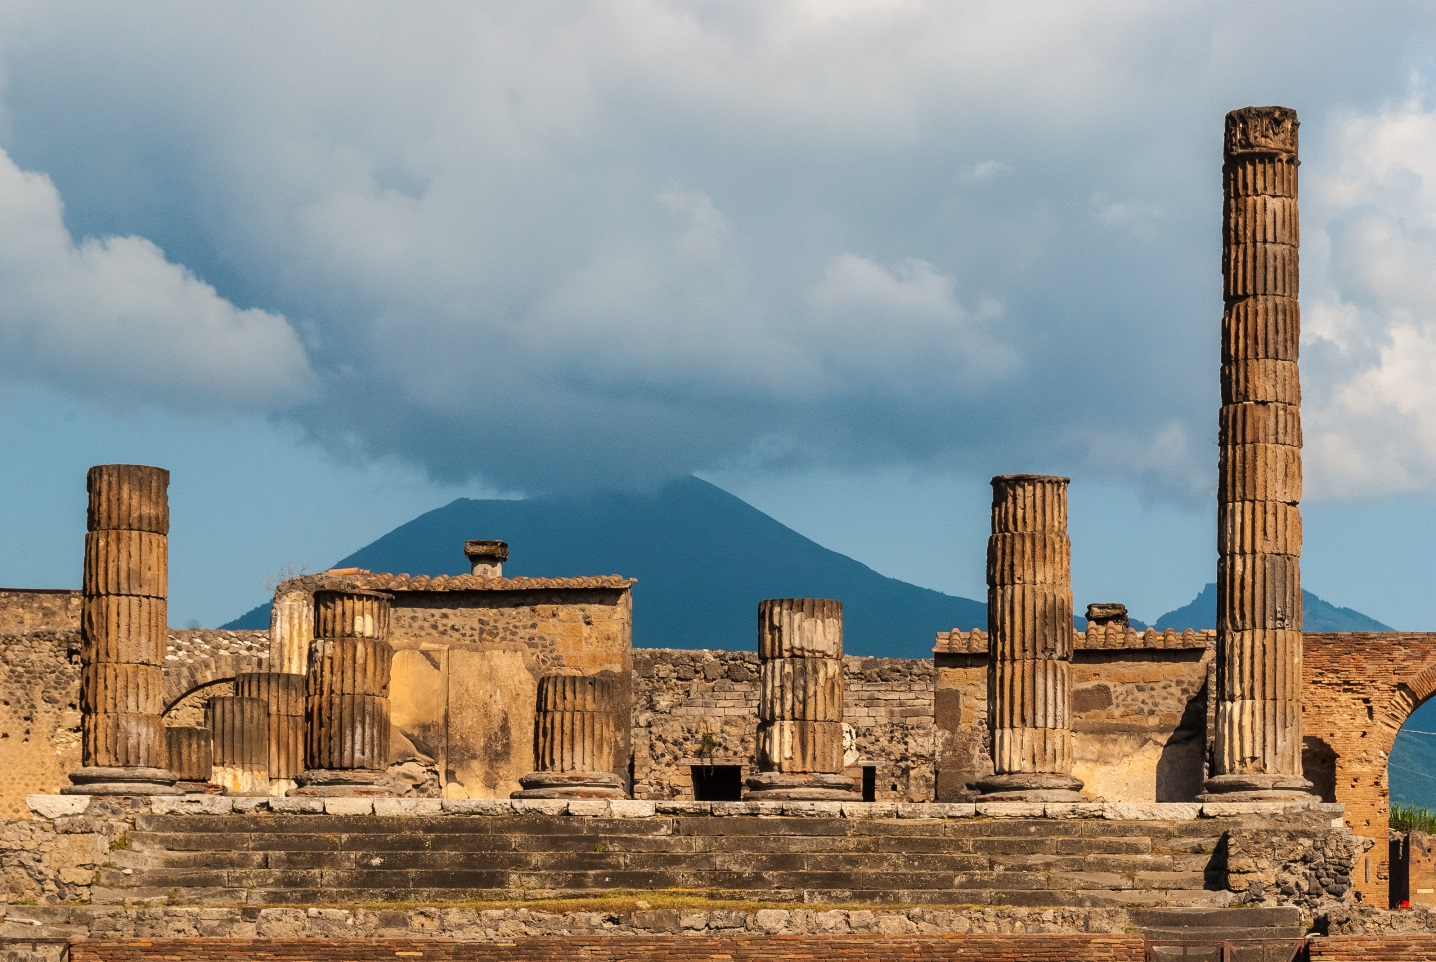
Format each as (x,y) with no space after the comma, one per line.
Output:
(285,859)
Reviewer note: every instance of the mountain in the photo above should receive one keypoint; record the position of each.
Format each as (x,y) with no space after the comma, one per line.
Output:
(703,560)
(1316,615)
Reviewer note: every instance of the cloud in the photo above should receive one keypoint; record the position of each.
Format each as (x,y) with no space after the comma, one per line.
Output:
(546,244)
(1370,328)
(110,318)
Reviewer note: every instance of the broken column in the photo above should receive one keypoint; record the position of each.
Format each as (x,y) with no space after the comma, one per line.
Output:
(1030,640)
(487,557)
(346,711)
(191,758)
(575,737)
(239,729)
(123,633)
(800,702)
(1259,608)
(283,696)
(291,629)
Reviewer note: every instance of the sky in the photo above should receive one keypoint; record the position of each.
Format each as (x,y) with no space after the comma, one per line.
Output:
(334,266)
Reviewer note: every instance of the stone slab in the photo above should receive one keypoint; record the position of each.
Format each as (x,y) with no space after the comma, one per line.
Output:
(408,806)
(335,805)
(192,805)
(478,806)
(57,806)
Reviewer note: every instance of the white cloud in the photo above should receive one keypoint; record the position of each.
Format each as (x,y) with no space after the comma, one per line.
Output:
(111,318)
(1370,332)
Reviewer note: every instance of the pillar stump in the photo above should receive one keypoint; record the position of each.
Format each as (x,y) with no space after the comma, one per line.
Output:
(283,695)
(1030,640)
(239,728)
(1259,605)
(291,630)
(123,634)
(800,703)
(346,705)
(191,758)
(575,738)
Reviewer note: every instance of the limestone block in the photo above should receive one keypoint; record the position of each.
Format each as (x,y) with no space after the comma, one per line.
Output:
(130,497)
(801,688)
(1029,503)
(348,806)
(800,628)
(1258,528)
(351,614)
(346,732)
(126,563)
(1262,328)
(1258,591)
(123,740)
(1261,218)
(1260,664)
(191,805)
(1029,558)
(477,806)
(869,810)
(1011,809)
(1260,381)
(191,752)
(349,666)
(1030,621)
(1259,472)
(291,629)
(540,806)
(1030,693)
(408,806)
(1255,268)
(123,629)
(589,808)
(112,688)
(297,806)
(57,806)
(800,746)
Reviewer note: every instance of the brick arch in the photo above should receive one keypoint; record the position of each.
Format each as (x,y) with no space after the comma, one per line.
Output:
(196,673)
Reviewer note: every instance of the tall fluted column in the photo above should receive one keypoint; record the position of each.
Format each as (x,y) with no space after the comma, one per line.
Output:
(191,758)
(575,737)
(346,708)
(239,728)
(1258,737)
(123,633)
(1030,638)
(283,694)
(800,702)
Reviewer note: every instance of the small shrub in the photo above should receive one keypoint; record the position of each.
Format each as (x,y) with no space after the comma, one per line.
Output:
(1407,818)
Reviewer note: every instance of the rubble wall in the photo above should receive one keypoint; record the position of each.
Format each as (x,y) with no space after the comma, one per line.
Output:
(36,609)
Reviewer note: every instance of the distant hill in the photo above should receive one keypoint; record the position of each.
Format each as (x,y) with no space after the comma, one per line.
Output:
(1411,768)
(1316,615)
(703,560)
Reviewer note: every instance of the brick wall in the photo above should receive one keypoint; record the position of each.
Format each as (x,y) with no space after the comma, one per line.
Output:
(1008,948)
(1374,948)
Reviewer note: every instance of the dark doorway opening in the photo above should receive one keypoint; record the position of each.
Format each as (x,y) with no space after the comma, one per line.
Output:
(717,783)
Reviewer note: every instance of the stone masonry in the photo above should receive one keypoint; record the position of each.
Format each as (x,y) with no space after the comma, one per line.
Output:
(1258,732)
(574,739)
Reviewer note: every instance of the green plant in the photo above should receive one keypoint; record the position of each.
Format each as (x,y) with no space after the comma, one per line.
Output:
(707,745)
(601,847)
(120,843)
(1408,818)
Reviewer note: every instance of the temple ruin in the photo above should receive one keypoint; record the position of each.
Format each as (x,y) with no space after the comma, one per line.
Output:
(479,766)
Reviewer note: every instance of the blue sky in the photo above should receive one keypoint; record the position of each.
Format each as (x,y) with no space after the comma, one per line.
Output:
(848,259)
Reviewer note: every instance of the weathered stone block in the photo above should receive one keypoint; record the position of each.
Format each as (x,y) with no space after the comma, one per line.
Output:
(351,613)
(126,563)
(800,628)
(348,806)
(131,497)
(1261,381)
(57,806)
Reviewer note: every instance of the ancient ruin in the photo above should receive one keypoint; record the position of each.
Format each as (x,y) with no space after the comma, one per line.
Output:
(479,766)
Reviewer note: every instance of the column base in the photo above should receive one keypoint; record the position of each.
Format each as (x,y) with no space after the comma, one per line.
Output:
(343,783)
(102,780)
(570,785)
(1031,787)
(801,787)
(199,788)
(1257,787)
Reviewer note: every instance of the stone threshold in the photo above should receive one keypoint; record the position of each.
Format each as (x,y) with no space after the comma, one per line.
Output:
(59,806)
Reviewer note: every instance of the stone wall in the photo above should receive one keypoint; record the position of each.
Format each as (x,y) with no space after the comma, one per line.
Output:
(1139,713)
(35,609)
(695,705)
(39,714)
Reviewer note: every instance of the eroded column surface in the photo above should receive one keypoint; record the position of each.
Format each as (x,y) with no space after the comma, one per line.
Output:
(239,729)
(1030,640)
(291,630)
(123,633)
(800,702)
(346,708)
(283,694)
(575,738)
(1259,608)
(191,758)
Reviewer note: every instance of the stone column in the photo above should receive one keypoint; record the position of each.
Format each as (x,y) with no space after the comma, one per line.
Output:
(1258,734)
(123,634)
(346,709)
(291,629)
(283,695)
(1029,642)
(575,737)
(487,557)
(191,758)
(239,728)
(800,702)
